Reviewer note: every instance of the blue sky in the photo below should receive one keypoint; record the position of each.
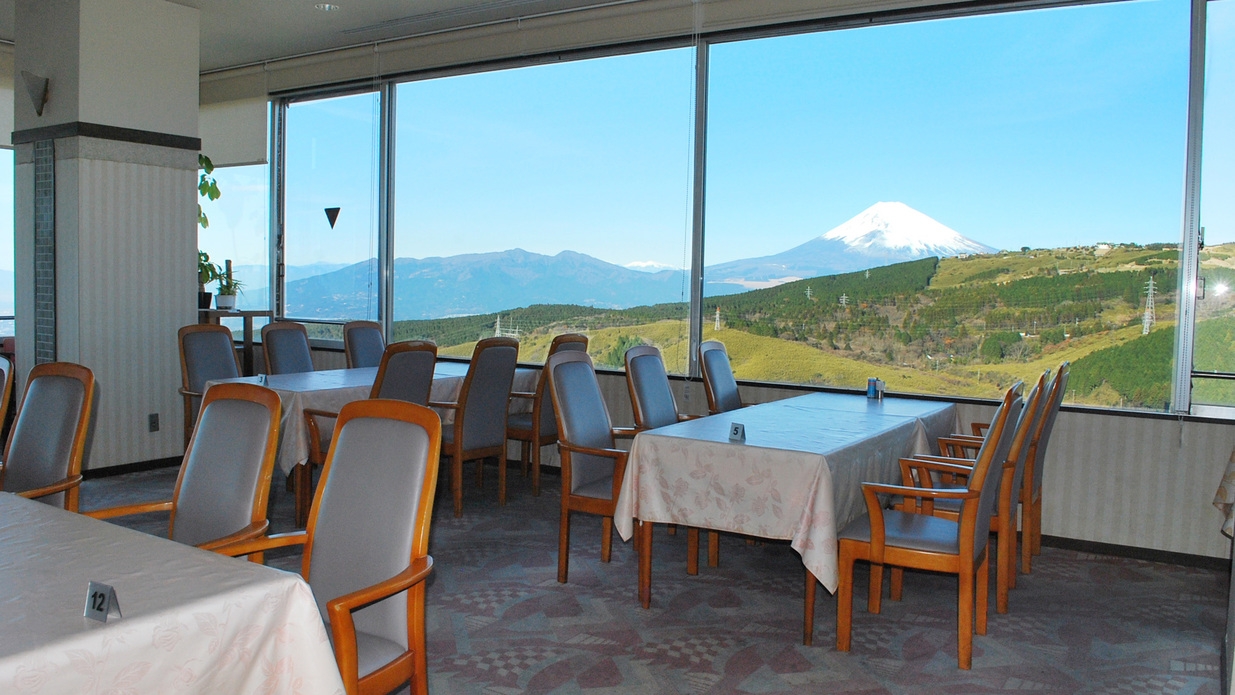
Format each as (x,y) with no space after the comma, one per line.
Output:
(1044,128)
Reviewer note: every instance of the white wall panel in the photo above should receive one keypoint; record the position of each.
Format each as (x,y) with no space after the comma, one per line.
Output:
(126,248)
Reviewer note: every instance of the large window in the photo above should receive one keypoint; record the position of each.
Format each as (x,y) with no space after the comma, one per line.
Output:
(331,208)
(948,204)
(544,200)
(7,296)
(952,205)
(1214,349)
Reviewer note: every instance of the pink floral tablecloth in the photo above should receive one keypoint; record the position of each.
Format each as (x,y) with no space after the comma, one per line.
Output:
(1224,498)
(193,621)
(797,477)
(331,389)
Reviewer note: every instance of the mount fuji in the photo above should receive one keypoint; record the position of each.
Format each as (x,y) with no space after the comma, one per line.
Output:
(882,234)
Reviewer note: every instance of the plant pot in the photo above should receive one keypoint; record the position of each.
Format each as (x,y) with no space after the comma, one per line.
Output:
(203,299)
(225,302)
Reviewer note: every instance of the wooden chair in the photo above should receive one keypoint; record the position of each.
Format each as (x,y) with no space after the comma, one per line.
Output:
(50,435)
(539,428)
(1031,487)
(592,467)
(919,540)
(363,343)
(405,373)
(207,353)
(383,457)
(6,391)
(718,381)
(286,347)
(224,482)
(1004,521)
(654,406)
(479,429)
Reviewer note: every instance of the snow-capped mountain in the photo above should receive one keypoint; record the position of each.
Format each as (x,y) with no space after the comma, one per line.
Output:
(882,234)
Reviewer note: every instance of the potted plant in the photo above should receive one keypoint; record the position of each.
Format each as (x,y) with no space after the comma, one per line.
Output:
(206,272)
(228,287)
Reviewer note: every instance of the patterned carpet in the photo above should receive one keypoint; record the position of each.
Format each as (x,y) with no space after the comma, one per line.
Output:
(499,622)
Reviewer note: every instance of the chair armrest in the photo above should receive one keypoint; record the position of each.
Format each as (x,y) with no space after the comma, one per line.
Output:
(443,404)
(58,486)
(264,543)
(522,394)
(684,418)
(185,392)
(128,509)
(624,432)
(953,460)
(248,533)
(956,445)
(611,453)
(342,627)
(319,413)
(979,427)
(967,437)
(315,433)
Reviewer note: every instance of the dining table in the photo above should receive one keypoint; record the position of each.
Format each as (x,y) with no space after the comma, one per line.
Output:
(796,476)
(189,621)
(331,389)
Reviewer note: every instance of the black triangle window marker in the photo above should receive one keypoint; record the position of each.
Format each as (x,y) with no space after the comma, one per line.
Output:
(332,214)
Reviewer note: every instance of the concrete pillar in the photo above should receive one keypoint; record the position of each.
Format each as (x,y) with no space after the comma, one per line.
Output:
(106,198)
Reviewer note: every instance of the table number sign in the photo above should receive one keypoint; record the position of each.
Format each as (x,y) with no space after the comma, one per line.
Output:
(101,602)
(737,432)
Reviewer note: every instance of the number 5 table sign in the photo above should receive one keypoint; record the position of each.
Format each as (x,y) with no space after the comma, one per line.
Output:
(101,602)
(737,432)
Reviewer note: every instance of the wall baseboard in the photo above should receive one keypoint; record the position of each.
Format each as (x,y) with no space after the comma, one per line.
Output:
(137,467)
(1147,554)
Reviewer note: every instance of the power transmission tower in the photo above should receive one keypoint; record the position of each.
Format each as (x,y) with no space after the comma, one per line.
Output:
(808,291)
(844,300)
(718,318)
(1148,320)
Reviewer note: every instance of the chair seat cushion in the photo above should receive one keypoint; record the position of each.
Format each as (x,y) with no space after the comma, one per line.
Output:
(519,422)
(908,530)
(601,489)
(372,652)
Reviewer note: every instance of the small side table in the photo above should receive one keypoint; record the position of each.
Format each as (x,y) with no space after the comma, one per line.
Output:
(213,316)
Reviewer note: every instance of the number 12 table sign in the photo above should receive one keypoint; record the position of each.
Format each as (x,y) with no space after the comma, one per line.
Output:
(101,602)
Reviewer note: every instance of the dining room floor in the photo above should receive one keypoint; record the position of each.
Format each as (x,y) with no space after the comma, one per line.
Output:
(499,622)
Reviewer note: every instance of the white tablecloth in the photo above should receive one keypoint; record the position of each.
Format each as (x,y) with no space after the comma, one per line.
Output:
(194,621)
(332,389)
(797,477)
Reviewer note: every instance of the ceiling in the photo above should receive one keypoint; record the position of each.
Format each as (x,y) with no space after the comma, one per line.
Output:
(241,32)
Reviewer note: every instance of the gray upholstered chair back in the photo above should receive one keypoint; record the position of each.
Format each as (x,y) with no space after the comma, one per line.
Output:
(407,372)
(582,415)
(41,443)
(366,515)
(548,420)
(650,394)
(287,349)
(718,376)
(363,343)
(486,393)
(1059,386)
(209,355)
(1024,434)
(222,470)
(989,498)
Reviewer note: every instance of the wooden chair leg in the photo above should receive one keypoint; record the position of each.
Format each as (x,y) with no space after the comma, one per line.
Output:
(1037,526)
(983,591)
(898,582)
(713,549)
(563,544)
(456,481)
(536,469)
(964,618)
(692,551)
(672,529)
(606,538)
(525,455)
(808,622)
(501,477)
(844,597)
(874,595)
(302,484)
(1005,563)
